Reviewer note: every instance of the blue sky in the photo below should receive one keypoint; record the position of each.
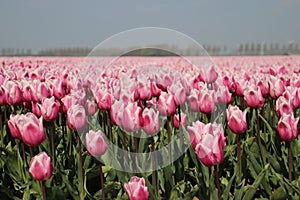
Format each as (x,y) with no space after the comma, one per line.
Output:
(39,24)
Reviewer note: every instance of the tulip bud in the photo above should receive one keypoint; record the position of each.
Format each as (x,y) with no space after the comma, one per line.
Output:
(253,97)
(151,124)
(166,104)
(288,127)
(41,167)
(136,189)
(95,143)
(236,119)
(76,117)
(183,121)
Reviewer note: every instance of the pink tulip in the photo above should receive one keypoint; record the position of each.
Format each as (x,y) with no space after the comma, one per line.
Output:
(76,117)
(236,119)
(12,124)
(28,128)
(132,117)
(151,124)
(154,89)
(94,143)
(58,88)
(292,94)
(143,91)
(283,106)
(103,99)
(2,96)
(36,109)
(49,108)
(136,189)
(177,122)
(41,167)
(206,101)
(253,97)
(116,112)
(240,85)
(209,143)
(193,100)
(196,132)
(13,93)
(67,102)
(276,87)
(31,129)
(210,75)
(223,95)
(288,127)
(178,91)
(166,104)
(91,107)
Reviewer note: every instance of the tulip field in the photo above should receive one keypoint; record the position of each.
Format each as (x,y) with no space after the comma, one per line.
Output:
(150,128)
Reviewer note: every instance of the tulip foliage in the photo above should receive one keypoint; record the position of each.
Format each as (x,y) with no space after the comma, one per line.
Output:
(64,120)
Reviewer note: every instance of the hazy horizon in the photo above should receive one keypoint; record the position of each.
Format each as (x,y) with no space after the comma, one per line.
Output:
(39,24)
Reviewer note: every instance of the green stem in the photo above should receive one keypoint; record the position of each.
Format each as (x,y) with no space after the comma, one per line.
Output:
(102,180)
(259,138)
(217,181)
(52,142)
(43,189)
(290,160)
(169,137)
(1,127)
(80,164)
(153,168)
(109,126)
(239,157)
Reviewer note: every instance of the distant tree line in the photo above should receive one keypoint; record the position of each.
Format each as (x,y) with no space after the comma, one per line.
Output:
(261,48)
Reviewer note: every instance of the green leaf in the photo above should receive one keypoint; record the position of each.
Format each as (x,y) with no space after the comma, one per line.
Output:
(252,189)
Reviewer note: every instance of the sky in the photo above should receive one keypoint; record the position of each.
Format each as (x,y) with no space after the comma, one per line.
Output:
(41,24)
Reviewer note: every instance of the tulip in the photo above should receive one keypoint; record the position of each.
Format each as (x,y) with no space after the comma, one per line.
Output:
(136,189)
(223,95)
(95,143)
(28,128)
(210,75)
(132,117)
(67,102)
(178,91)
(143,91)
(103,99)
(209,143)
(91,107)
(151,124)
(116,111)
(31,129)
(206,101)
(13,93)
(253,97)
(276,87)
(196,131)
(166,104)
(12,124)
(154,89)
(35,109)
(183,118)
(41,167)
(76,117)
(283,106)
(193,100)
(236,119)
(288,127)
(2,96)
(58,88)
(49,108)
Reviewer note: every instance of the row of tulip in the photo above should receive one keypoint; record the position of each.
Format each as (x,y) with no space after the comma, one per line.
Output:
(44,101)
